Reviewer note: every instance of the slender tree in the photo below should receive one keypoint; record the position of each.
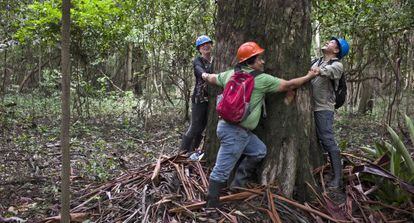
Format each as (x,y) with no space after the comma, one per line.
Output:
(283,28)
(64,137)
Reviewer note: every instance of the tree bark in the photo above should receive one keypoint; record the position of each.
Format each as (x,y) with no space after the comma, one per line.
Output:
(3,87)
(283,28)
(366,102)
(128,79)
(39,78)
(64,137)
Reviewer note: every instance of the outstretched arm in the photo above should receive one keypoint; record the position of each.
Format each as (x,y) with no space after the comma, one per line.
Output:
(288,85)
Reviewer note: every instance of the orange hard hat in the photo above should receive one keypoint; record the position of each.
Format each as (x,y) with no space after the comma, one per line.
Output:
(247,50)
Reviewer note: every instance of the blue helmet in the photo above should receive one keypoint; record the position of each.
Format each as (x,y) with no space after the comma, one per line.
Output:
(203,39)
(343,47)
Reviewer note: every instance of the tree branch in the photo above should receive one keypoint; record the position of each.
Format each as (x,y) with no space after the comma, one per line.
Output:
(364,79)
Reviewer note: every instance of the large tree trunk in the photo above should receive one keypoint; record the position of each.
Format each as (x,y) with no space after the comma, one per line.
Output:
(283,28)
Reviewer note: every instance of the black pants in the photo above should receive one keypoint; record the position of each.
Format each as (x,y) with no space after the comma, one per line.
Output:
(193,136)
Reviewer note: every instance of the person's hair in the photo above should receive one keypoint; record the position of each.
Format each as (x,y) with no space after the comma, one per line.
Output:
(338,45)
(339,52)
(249,61)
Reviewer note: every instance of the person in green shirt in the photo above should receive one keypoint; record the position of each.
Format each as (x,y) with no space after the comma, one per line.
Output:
(237,139)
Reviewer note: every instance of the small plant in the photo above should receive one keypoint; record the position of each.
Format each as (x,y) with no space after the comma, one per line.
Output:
(398,162)
(50,82)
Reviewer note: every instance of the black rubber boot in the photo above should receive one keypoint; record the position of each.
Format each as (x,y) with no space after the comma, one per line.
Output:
(186,143)
(245,171)
(197,141)
(336,166)
(213,194)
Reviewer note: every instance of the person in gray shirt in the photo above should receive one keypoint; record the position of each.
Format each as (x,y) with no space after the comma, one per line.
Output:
(330,70)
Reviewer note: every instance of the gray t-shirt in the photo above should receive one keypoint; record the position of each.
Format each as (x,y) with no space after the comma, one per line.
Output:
(323,94)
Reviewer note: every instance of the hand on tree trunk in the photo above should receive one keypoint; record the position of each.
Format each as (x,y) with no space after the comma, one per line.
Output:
(290,97)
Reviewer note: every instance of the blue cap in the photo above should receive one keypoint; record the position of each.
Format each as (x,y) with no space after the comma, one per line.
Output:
(203,39)
(343,47)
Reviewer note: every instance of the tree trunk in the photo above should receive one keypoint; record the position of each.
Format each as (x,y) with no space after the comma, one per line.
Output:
(317,50)
(366,102)
(3,87)
(128,79)
(283,28)
(64,135)
(39,78)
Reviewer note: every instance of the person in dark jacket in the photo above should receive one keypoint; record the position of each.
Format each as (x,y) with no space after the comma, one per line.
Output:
(199,101)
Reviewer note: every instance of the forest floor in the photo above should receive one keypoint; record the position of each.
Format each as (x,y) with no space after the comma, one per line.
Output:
(102,148)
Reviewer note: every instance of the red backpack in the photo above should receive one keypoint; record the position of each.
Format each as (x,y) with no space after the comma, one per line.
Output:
(233,103)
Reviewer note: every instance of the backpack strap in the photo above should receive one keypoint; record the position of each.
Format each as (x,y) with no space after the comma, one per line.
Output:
(314,61)
(334,85)
(319,60)
(238,67)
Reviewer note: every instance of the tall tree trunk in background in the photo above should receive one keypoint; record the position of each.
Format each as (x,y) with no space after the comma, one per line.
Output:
(128,79)
(283,28)
(39,78)
(187,93)
(139,66)
(317,48)
(64,135)
(3,85)
(366,102)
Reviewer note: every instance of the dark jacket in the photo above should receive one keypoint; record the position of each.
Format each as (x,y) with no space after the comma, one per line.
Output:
(201,65)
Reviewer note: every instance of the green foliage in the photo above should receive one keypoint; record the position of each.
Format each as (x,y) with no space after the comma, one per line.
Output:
(410,127)
(160,32)
(42,23)
(391,193)
(50,82)
(401,150)
(100,25)
(97,25)
(371,152)
(378,32)
(12,14)
(401,165)
(356,19)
